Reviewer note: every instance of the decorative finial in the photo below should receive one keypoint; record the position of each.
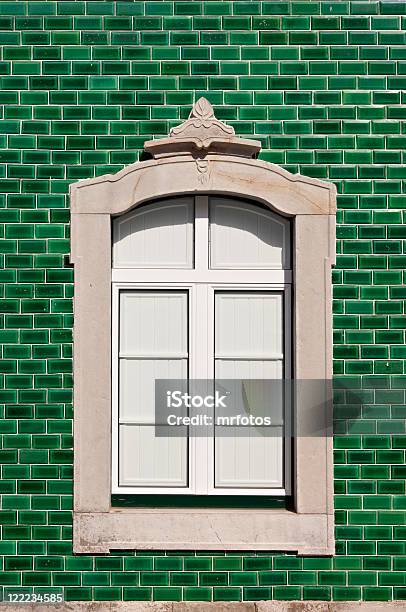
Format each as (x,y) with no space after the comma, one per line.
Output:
(202,109)
(202,134)
(202,123)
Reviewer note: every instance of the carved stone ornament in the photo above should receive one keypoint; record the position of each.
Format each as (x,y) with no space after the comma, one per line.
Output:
(202,134)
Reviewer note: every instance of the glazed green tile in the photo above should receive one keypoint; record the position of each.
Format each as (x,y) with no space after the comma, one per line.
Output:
(257,593)
(197,564)
(184,579)
(213,579)
(227,594)
(167,594)
(286,592)
(154,578)
(367,150)
(197,594)
(270,8)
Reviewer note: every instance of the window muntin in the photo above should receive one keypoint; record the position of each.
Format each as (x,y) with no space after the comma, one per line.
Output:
(203,474)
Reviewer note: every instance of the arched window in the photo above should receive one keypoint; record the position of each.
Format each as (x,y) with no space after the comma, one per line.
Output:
(201,289)
(201,262)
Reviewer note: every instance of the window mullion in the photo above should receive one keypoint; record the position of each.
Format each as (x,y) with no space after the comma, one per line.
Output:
(199,345)
(210,376)
(199,370)
(201,233)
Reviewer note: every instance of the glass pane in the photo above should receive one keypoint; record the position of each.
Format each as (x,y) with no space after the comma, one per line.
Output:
(153,323)
(249,346)
(244,235)
(137,385)
(253,460)
(153,344)
(146,460)
(249,325)
(158,235)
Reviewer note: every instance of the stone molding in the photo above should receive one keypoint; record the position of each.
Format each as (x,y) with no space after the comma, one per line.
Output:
(310,203)
(285,193)
(203,529)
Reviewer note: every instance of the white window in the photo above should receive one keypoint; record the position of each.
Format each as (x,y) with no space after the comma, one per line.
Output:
(191,248)
(201,290)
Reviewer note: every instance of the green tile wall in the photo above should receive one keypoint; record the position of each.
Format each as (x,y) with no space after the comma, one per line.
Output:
(83,84)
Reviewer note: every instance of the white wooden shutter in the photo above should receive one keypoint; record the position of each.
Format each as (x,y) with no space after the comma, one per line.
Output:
(153,344)
(159,235)
(243,235)
(249,345)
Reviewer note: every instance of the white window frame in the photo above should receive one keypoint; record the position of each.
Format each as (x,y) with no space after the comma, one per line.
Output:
(201,294)
(200,367)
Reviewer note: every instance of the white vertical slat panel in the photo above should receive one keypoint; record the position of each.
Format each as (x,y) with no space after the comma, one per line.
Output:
(252,461)
(159,235)
(153,323)
(153,345)
(146,460)
(254,397)
(249,324)
(137,385)
(249,345)
(244,235)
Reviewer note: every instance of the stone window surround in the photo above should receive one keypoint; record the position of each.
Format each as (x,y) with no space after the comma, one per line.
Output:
(199,158)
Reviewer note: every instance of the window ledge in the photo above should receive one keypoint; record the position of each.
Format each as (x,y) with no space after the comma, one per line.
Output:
(214,529)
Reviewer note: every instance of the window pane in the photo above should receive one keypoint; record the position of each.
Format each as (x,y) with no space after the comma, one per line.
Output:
(158,235)
(249,325)
(243,235)
(146,460)
(153,324)
(255,460)
(249,346)
(137,385)
(153,344)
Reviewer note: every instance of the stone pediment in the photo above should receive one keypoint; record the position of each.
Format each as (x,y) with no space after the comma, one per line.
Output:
(202,134)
